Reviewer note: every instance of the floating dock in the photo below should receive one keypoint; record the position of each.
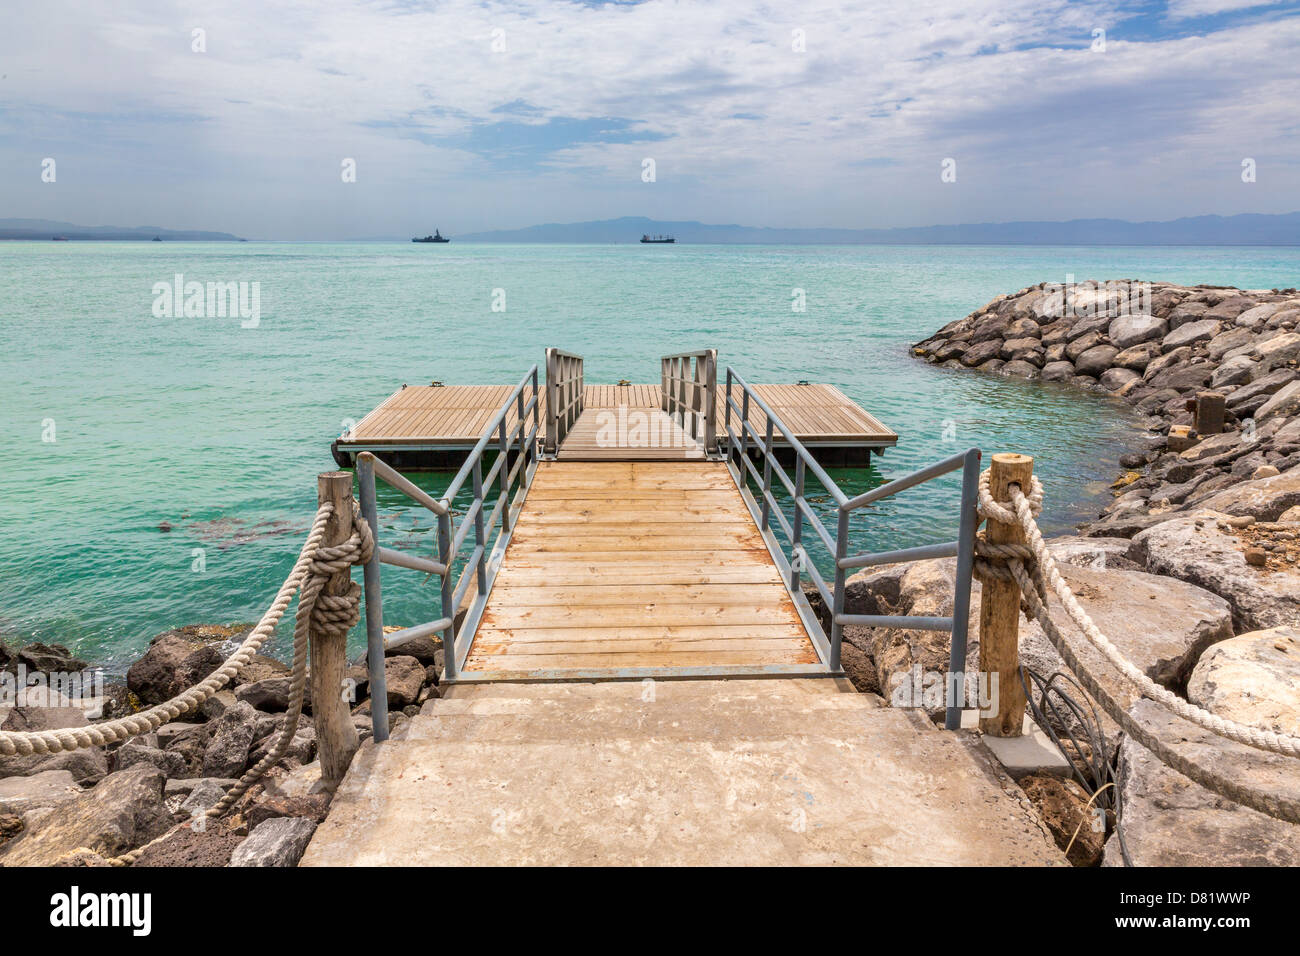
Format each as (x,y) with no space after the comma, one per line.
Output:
(433,426)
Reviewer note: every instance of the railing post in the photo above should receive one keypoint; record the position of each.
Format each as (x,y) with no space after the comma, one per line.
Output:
(537,409)
(767,476)
(503,443)
(710,403)
(1000,609)
(480,536)
(448,597)
(726,405)
(378,681)
(796,531)
(744,429)
(841,550)
(970,477)
(552,403)
(336,736)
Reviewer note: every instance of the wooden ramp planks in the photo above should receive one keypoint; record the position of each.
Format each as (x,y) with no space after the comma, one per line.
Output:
(611,567)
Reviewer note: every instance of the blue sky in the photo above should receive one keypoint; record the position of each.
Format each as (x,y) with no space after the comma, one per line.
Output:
(481,115)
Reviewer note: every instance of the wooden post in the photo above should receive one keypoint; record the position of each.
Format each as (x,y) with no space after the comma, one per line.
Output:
(1210,412)
(335,735)
(1000,609)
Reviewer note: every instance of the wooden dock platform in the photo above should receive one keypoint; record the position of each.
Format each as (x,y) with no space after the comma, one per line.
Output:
(423,426)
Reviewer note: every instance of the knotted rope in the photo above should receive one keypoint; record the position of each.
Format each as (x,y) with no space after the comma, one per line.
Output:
(1034,569)
(325,614)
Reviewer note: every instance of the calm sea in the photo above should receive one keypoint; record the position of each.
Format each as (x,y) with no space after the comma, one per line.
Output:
(117,420)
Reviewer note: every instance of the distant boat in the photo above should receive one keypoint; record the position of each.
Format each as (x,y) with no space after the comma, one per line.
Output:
(156,239)
(60,238)
(436,237)
(658,239)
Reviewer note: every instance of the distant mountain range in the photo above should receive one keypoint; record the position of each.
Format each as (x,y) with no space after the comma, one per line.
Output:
(48,229)
(1249,229)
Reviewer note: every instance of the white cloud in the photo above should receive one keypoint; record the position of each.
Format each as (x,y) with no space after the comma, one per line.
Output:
(848,133)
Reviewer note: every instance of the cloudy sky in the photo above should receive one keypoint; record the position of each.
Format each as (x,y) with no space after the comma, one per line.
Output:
(505,113)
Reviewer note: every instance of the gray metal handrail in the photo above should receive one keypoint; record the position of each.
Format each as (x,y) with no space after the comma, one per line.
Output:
(834,594)
(564,391)
(688,393)
(511,481)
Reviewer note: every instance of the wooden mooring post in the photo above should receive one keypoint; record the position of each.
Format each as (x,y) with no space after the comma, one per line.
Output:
(1000,609)
(335,734)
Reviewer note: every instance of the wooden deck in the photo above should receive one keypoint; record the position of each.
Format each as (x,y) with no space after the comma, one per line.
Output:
(452,417)
(628,433)
(637,564)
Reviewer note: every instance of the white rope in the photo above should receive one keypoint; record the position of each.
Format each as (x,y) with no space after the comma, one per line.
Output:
(1045,573)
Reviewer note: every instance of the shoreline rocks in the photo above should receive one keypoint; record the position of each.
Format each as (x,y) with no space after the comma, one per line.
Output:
(85,806)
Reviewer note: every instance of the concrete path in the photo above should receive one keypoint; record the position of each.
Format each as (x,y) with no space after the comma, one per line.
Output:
(673,773)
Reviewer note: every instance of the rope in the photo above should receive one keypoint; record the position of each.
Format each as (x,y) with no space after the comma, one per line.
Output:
(1034,572)
(322,614)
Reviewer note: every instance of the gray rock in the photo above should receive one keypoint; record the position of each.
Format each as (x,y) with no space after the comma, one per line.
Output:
(1278,350)
(175,661)
(1284,404)
(269,694)
(1253,679)
(1265,386)
(46,789)
(232,736)
(1170,821)
(405,677)
(1184,378)
(1264,499)
(1114,379)
(1020,369)
(1078,346)
(1227,341)
(279,841)
(1095,360)
(974,356)
(1190,333)
(1235,371)
(1130,330)
(1256,317)
(1168,360)
(183,787)
(1058,372)
(1186,312)
(1138,357)
(122,812)
(1193,548)
(132,752)
(207,793)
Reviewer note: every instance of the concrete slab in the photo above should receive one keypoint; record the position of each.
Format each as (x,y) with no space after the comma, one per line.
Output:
(1031,752)
(699,776)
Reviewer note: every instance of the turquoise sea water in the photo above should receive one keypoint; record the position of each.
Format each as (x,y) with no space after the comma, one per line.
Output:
(220,430)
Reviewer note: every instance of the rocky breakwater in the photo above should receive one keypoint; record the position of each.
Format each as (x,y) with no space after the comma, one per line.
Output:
(1191,570)
(86,806)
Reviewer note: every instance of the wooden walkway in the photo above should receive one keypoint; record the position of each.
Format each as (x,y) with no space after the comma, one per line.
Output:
(637,564)
(625,433)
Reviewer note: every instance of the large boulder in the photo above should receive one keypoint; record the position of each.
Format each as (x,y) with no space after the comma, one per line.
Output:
(1264,499)
(1284,404)
(1278,350)
(1095,360)
(279,841)
(1167,820)
(405,677)
(49,659)
(48,788)
(177,660)
(122,812)
(1191,333)
(1204,549)
(1252,679)
(1130,330)
(227,751)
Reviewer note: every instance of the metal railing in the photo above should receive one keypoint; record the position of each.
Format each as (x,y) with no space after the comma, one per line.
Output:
(688,393)
(563,396)
(510,475)
(833,594)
